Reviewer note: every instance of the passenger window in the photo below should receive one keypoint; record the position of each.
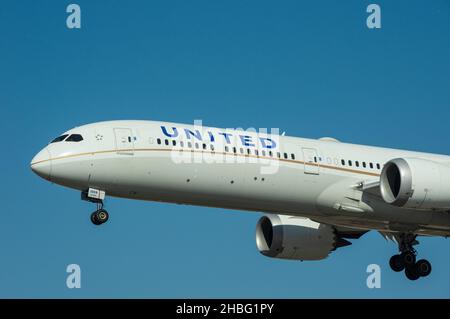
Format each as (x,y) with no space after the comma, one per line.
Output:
(248,151)
(241,150)
(270,153)
(204,146)
(189,144)
(211,147)
(174,143)
(278,155)
(181,143)
(349,163)
(166,142)
(371,165)
(293,156)
(74,138)
(234,150)
(158,141)
(364,164)
(357,164)
(343,162)
(285,155)
(226,149)
(256,152)
(196,146)
(263,152)
(378,166)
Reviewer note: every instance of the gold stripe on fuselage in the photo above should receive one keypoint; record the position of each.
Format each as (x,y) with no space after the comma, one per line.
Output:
(211,152)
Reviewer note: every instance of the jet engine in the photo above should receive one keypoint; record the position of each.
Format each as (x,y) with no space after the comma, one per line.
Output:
(416,183)
(290,237)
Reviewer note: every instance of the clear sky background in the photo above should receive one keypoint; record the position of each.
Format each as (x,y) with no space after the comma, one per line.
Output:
(311,69)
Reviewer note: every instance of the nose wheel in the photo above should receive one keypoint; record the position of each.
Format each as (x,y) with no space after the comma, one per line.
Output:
(406,260)
(99,217)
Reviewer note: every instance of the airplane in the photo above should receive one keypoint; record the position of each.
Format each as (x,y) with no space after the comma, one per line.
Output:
(316,194)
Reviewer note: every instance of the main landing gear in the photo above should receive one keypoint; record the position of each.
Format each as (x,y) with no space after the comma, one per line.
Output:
(406,260)
(100,216)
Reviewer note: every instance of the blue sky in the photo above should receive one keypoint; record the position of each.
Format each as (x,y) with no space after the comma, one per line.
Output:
(311,69)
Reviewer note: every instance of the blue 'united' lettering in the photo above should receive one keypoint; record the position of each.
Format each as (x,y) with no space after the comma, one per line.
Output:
(246,140)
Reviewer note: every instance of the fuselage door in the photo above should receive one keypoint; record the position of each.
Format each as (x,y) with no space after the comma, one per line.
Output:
(311,161)
(124,141)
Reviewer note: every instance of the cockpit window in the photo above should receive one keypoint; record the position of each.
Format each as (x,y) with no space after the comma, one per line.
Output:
(74,138)
(59,138)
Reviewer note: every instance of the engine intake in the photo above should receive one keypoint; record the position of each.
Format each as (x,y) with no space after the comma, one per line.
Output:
(416,183)
(290,237)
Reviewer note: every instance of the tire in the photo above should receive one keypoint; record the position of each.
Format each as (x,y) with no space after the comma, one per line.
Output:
(94,219)
(423,268)
(396,263)
(102,216)
(411,273)
(409,259)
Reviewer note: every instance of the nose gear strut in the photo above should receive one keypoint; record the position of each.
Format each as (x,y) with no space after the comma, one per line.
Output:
(100,216)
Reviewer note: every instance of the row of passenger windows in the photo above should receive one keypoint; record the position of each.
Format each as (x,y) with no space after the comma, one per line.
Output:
(350,163)
(262,153)
(363,164)
(228,149)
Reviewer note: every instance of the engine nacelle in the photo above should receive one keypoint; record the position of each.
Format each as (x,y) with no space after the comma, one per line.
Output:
(298,238)
(416,183)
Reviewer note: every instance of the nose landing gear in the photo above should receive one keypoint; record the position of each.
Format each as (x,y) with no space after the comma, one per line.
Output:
(100,216)
(406,260)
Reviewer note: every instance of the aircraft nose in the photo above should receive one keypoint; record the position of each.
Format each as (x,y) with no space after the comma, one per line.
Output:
(41,164)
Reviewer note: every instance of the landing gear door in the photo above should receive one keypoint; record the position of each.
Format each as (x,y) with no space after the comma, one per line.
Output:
(311,161)
(124,141)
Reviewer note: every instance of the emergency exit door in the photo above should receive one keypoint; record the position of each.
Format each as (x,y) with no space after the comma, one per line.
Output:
(124,141)
(311,161)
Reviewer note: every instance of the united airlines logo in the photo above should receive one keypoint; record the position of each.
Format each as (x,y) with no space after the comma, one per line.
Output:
(245,140)
(199,144)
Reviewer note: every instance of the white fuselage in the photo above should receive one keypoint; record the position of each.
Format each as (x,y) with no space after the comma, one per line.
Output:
(185,164)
